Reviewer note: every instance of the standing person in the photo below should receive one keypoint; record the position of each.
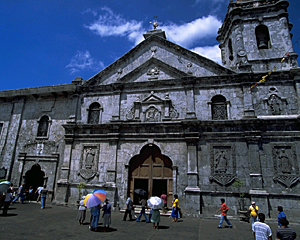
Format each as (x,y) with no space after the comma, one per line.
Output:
(281,215)
(253,209)
(81,211)
(164,198)
(106,215)
(175,209)
(129,205)
(155,218)
(285,233)
(30,191)
(44,193)
(7,200)
(95,217)
(224,209)
(262,231)
(143,211)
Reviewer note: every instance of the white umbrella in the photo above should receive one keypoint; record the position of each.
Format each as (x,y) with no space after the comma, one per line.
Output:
(155,203)
(4,186)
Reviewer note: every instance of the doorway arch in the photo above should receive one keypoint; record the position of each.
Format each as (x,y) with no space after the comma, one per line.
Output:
(151,171)
(34,177)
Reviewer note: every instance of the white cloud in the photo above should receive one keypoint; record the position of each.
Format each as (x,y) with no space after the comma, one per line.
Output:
(188,33)
(213,53)
(84,61)
(111,24)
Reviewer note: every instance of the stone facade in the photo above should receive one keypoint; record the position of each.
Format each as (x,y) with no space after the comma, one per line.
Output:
(163,118)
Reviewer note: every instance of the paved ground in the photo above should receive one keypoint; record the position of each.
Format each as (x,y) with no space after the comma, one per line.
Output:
(28,221)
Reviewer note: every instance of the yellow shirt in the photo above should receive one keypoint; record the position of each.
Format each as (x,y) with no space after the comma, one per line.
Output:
(253,211)
(176,203)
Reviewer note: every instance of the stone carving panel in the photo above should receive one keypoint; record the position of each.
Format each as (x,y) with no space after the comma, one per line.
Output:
(285,165)
(89,162)
(276,104)
(223,164)
(40,147)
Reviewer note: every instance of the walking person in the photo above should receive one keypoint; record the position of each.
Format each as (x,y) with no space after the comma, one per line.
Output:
(164,198)
(7,200)
(129,206)
(30,191)
(106,215)
(253,209)
(81,211)
(224,209)
(175,209)
(37,193)
(262,231)
(281,215)
(20,194)
(95,217)
(285,232)
(143,202)
(44,193)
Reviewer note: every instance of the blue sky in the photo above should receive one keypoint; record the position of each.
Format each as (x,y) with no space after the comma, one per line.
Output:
(49,42)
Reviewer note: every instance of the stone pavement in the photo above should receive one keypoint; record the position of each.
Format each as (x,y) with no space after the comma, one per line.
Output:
(28,221)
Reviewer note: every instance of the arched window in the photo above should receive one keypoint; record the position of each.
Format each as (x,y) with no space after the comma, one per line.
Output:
(230,49)
(262,37)
(94,113)
(43,126)
(219,108)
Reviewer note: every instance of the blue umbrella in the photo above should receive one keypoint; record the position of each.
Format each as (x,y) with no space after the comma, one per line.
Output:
(4,186)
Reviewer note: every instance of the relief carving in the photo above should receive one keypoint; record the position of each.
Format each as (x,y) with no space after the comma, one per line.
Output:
(153,73)
(89,163)
(152,115)
(275,102)
(285,165)
(223,165)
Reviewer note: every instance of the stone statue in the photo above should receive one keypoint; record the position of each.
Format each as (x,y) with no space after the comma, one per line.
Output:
(284,162)
(89,160)
(221,161)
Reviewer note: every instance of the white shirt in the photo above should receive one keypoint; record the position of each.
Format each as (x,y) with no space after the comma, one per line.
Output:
(262,231)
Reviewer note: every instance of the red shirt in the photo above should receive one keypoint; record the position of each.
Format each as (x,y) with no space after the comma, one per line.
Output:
(224,209)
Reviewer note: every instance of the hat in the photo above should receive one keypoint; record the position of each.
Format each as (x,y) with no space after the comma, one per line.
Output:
(107,200)
(253,203)
(284,221)
(83,197)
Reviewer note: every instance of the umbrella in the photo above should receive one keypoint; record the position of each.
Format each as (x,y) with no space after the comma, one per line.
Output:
(101,194)
(155,203)
(140,192)
(4,186)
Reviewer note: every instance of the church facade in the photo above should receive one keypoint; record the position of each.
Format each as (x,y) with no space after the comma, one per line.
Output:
(165,119)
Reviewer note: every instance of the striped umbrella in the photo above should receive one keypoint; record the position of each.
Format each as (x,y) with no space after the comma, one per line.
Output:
(95,198)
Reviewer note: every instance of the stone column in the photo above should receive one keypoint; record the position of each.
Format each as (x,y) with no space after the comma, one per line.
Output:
(190,103)
(111,164)
(192,166)
(248,106)
(116,105)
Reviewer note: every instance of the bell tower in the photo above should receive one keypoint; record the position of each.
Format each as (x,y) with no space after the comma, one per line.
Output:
(255,36)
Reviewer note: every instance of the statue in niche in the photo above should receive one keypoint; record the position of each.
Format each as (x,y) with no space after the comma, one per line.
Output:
(89,160)
(152,115)
(284,162)
(221,161)
(275,104)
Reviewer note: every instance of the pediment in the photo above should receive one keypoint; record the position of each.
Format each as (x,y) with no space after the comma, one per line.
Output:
(160,58)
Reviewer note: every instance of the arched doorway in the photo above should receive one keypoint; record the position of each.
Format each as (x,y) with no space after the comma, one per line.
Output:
(152,172)
(34,177)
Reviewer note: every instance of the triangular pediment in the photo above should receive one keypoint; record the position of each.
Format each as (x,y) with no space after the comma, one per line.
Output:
(152,99)
(157,59)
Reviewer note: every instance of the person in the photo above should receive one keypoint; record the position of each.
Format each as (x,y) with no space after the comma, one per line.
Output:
(95,217)
(224,209)
(106,215)
(30,191)
(44,193)
(7,200)
(81,211)
(129,205)
(38,193)
(262,231)
(164,198)
(20,194)
(253,209)
(143,202)
(281,215)
(155,218)
(175,209)
(285,233)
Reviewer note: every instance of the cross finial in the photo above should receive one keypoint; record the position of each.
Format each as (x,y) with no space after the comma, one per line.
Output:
(155,23)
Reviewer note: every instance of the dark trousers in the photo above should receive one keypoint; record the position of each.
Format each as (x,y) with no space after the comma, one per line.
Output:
(5,208)
(125,215)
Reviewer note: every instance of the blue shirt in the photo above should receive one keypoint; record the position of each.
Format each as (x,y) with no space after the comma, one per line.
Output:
(280,216)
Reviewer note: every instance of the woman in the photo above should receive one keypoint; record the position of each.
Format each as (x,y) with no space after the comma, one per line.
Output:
(106,215)
(175,208)
(281,215)
(81,211)
(7,201)
(155,218)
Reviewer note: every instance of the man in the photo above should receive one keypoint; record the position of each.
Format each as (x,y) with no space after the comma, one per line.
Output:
(284,232)
(253,214)
(21,192)
(44,193)
(262,231)
(224,209)
(143,202)
(129,205)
